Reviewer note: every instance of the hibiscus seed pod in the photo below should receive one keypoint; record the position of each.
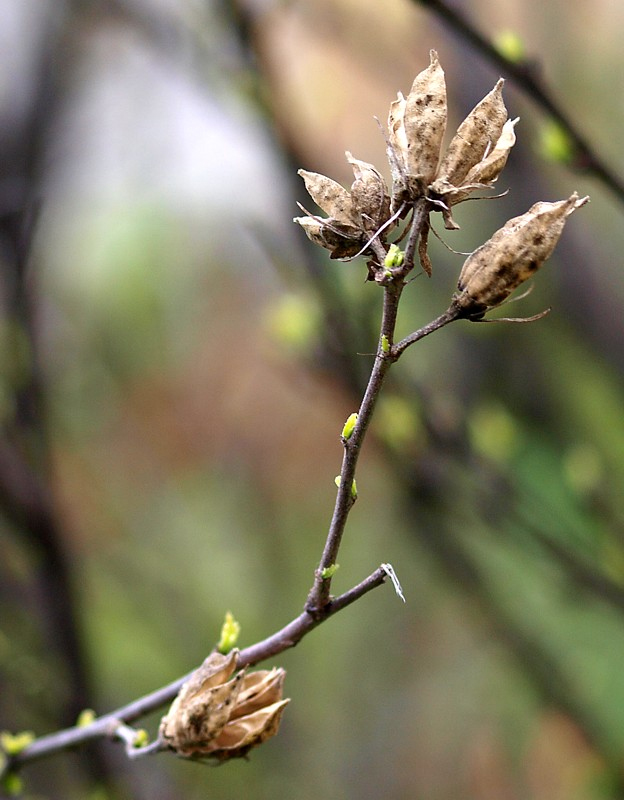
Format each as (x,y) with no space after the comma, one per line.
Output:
(424,120)
(369,194)
(329,195)
(476,136)
(512,255)
(221,717)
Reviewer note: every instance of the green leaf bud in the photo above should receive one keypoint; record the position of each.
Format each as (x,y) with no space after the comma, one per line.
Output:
(394,257)
(12,784)
(86,717)
(14,743)
(349,426)
(329,572)
(509,44)
(230,631)
(555,144)
(338,481)
(142,738)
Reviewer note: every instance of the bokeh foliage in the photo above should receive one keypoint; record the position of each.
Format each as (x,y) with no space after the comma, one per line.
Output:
(195,365)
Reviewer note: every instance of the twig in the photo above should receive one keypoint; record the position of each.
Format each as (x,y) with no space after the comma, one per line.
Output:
(387,354)
(523,75)
(449,315)
(115,723)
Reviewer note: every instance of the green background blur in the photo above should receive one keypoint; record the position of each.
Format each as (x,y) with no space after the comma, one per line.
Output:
(178,362)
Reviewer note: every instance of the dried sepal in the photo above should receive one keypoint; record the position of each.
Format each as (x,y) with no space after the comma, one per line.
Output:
(423,254)
(396,149)
(513,254)
(343,241)
(220,713)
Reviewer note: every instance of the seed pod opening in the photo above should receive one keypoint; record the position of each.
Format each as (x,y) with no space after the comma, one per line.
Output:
(221,715)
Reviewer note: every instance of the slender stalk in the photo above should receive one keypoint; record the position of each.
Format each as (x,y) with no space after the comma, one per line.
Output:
(320,593)
(452,313)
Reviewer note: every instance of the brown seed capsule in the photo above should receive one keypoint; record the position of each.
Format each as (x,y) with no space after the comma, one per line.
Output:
(477,134)
(512,255)
(352,216)
(476,155)
(369,195)
(219,716)
(329,195)
(416,126)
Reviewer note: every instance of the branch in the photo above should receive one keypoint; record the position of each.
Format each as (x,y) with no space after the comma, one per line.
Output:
(393,281)
(114,724)
(451,314)
(524,75)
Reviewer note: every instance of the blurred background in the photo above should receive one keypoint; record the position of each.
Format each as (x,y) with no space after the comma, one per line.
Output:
(177,362)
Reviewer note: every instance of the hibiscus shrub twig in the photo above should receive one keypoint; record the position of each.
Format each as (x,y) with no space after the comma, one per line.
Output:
(221,711)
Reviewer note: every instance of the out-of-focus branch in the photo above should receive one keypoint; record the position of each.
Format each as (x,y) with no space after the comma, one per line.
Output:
(524,75)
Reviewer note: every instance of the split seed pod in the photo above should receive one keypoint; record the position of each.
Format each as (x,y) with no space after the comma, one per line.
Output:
(352,216)
(477,153)
(416,126)
(221,715)
(512,255)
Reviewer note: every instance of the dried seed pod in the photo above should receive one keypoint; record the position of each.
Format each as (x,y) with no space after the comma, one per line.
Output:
(425,122)
(416,126)
(329,195)
(219,716)
(476,155)
(512,255)
(352,216)
(369,194)
(475,137)
(482,176)
(490,167)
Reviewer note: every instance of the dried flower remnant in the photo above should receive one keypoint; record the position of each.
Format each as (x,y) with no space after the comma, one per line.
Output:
(353,217)
(416,126)
(512,255)
(222,714)
(477,153)
(426,179)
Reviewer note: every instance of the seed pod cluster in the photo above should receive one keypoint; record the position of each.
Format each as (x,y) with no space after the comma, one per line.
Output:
(427,179)
(221,714)
(514,253)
